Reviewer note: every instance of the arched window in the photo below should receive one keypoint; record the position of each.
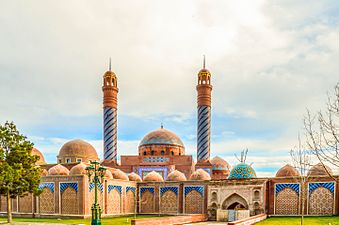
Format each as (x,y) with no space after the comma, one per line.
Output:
(162,152)
(152,152)
(256,195)
(144,152)
(172,153)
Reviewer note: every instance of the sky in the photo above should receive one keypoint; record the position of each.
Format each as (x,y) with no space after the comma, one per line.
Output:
(269,60)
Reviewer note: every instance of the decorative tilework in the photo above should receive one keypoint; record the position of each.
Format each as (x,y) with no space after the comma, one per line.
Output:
(143,189)
(48,185)
(149,169)
(173,189)
(199,189)
(242,171)
(321,201)
(100,187)
(280,187)
(63,186)
(287,202)
(130,189)
(313,186)
(111,187)
(156,159)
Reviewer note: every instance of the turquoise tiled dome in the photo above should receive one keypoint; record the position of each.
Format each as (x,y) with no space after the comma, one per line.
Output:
(242,171)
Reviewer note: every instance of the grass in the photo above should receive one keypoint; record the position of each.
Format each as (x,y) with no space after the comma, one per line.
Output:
(105,221)
(317,220)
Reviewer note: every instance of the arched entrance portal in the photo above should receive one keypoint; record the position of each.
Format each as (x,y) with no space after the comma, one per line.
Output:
(234,201)
(232,204)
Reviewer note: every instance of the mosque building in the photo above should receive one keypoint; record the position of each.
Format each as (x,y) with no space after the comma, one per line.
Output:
(162,179)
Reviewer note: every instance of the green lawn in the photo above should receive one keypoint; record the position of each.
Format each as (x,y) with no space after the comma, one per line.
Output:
(105,221)
(319,220)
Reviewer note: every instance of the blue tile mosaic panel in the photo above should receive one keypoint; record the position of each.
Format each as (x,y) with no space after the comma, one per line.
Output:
(164,189)
(280,187)
(112,187)
(199,189)
(130,189)
(47,185)
(100,187)
(143,189)
(328,185)
(63,186)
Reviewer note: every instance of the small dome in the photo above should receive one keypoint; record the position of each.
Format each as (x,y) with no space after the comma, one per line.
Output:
(41,160)
(109,73)
(176,176)
(220,164)
(75,150)
(134,177)
(58,170)
(118,174)
(242,171)
(204,72)
(287,171)
(153,177)
(79,169)
(319,170)
(200,174)
(43,172)
(108,174)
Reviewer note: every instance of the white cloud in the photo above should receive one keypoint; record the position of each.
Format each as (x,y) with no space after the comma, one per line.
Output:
(269,61)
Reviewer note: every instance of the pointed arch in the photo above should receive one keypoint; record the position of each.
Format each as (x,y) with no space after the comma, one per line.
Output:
(234,201)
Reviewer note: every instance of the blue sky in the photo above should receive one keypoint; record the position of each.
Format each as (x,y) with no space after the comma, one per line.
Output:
(270,60)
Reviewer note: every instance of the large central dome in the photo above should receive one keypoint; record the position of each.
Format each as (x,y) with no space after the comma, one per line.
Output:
(161,142)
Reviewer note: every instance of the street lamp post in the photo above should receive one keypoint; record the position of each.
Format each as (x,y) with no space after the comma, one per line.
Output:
(95,174)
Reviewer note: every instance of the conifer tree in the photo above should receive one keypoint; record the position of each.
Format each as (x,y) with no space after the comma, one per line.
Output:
(18,173)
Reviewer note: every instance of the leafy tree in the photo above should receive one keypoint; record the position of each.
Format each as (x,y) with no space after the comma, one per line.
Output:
(18,173)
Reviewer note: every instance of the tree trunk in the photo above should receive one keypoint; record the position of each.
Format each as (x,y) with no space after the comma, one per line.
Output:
(9,208)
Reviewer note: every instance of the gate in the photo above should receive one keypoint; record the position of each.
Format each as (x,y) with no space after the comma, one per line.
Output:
(231,215)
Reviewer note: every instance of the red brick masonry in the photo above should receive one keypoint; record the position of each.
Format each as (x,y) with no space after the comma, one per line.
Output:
(170,220)
(249,220)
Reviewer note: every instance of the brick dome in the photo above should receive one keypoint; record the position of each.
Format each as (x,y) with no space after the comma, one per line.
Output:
(108,174)
(319,170)
(41,160)
(118,174)
(79,169)
(200,174)
(176,176)
(134,177)
(220,164)
(77,151)
(287,171)
(153,177)
(58,170)
(161,142)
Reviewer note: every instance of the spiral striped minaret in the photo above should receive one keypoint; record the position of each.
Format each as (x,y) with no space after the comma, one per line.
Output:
(204,89)
(110,103)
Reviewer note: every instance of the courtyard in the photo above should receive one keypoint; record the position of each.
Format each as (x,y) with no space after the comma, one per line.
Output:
(321,220)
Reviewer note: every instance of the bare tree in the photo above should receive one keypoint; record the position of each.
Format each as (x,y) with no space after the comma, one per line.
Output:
(322,132)
(301,158)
